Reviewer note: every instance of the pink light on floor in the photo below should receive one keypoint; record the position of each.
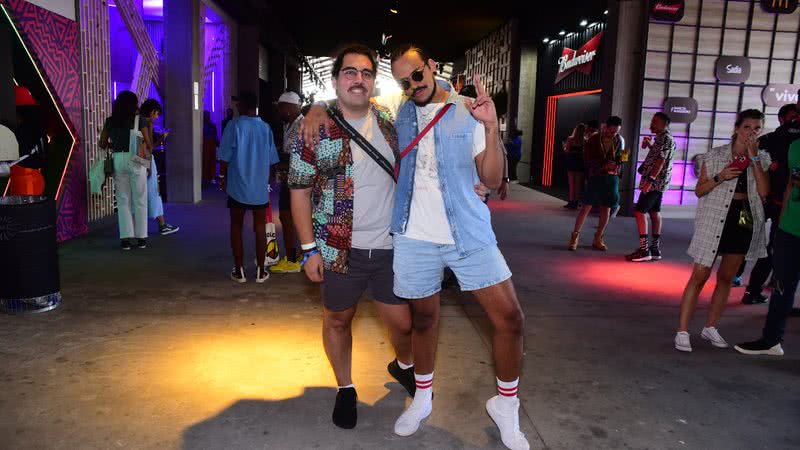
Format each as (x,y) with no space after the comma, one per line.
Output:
(655,282)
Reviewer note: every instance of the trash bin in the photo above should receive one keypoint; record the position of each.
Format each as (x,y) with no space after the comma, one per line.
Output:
(29,275)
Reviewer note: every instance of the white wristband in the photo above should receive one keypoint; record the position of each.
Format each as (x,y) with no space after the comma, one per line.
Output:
(308,246)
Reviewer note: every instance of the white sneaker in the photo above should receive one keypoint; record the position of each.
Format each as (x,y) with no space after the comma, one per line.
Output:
(262,275)
(505,413)
(711,334)
(682,342)
(408,423)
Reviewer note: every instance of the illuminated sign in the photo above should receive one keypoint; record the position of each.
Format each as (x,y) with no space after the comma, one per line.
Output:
(733,69)
(580,60)
(667,10)
(681,109)
(779,6)
(778,95)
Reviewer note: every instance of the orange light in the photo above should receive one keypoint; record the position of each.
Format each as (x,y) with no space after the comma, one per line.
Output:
(550,130)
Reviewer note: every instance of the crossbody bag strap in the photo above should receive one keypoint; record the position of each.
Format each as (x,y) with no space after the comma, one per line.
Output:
(419,138)
(363,143)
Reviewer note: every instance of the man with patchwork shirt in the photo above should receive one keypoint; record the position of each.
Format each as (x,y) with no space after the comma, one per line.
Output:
(341,205)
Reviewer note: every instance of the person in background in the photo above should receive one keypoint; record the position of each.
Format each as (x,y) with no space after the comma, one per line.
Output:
(289,113)
(777,145)
(227,119)
(513,153)
(656,172)
(130,179)
(246,155)
(729,224)
(149,112)
(210,144)
(786,265)
(603,156)
(573,147)
(26,176)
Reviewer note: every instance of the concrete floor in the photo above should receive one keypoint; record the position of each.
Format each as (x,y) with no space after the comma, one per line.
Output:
(157,349)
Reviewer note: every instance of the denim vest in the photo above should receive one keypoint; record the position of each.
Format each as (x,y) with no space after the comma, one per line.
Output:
(469,218)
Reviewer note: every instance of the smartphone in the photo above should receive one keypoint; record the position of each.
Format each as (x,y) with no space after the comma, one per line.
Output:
(740,162)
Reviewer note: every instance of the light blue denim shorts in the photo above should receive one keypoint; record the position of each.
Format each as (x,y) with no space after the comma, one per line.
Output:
(419,267)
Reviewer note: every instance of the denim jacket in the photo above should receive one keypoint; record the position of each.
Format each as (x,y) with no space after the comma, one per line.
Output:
(469,218)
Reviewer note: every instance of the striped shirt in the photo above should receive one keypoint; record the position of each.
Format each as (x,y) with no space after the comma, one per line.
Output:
(712,209)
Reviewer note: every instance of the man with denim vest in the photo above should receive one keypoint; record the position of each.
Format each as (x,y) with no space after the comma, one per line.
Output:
(438,222)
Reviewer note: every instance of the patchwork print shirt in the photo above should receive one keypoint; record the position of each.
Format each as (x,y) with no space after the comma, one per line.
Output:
(328,170)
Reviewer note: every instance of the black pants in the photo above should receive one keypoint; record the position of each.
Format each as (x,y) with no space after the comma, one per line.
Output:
(763,267)
(512,168)
(786,265)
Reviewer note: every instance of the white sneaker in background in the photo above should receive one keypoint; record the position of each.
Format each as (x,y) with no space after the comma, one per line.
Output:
(683,342)
(505,413)
(712,335)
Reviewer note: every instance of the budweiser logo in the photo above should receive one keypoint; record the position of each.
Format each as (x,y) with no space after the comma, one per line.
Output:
(665,7)
(580,60)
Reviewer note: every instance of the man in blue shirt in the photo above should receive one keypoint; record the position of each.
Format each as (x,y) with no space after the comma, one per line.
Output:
(246,155)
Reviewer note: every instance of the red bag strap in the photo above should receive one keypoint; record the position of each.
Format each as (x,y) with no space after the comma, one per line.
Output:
(419,138)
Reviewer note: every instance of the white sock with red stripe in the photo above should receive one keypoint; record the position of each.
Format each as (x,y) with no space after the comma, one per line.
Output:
(424,386)
(408,423)
(508,389)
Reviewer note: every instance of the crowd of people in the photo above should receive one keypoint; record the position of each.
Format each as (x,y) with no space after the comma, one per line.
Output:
(386,194)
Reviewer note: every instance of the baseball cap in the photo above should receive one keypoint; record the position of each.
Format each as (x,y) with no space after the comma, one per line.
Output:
(289,97)
(23,97)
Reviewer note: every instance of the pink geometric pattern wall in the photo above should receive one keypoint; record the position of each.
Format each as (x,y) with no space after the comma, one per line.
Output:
(54,43)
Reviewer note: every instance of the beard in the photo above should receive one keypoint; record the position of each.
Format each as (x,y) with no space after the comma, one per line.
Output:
(430,97)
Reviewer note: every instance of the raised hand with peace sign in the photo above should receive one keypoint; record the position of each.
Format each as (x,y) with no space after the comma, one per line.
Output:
(482,108)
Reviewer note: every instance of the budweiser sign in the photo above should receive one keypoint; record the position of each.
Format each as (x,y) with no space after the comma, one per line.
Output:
(580,60)
(667,10)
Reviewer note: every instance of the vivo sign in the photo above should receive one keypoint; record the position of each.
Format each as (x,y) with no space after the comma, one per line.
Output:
(580,60)
(778,95)
(733,69)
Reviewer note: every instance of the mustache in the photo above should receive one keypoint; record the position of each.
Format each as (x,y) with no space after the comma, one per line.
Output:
(417,90)
(358,86)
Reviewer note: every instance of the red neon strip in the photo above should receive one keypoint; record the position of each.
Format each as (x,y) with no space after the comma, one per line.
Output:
(550,130)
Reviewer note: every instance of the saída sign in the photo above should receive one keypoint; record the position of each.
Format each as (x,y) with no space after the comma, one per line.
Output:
(732,69)
(667,10)
(779,6)
(580,60)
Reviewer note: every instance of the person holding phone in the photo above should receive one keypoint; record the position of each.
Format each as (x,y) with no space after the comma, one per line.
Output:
(729,224)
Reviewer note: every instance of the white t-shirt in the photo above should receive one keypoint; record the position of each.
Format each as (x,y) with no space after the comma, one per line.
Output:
(373,195)
(428,220)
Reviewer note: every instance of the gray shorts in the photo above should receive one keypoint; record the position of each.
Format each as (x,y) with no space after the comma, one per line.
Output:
(366,269)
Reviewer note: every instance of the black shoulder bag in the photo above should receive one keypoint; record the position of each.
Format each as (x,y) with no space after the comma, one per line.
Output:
(362,142)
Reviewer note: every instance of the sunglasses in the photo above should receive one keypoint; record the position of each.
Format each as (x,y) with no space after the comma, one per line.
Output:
(416,75)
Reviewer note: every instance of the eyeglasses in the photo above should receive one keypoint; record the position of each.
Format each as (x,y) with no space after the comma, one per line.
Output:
(416,75)
(351,73)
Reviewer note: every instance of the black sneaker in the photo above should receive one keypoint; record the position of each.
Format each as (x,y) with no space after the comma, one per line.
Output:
(655,253)
(749,299)
(125,244)
(403,376)
(640,255)
(345,414)
(141,243)
(760,347)
(237,275)
(167,229)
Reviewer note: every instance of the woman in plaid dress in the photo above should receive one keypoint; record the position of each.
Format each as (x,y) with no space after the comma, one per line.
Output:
(730,222)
